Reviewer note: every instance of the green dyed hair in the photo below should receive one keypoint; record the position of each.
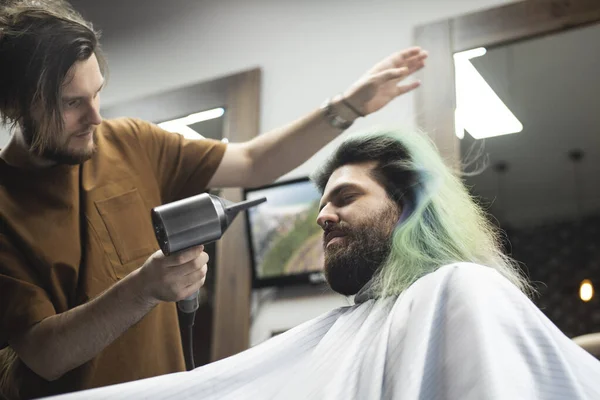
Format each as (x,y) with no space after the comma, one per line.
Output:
(440,224)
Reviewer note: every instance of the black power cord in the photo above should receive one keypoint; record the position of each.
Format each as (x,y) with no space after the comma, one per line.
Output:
(187,320)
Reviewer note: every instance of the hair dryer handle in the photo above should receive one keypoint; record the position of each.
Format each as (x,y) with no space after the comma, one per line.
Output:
(190,304)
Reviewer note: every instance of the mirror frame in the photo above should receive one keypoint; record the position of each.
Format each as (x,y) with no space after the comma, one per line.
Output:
(436,99)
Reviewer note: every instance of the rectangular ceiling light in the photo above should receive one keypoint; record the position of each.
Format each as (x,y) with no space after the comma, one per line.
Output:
(479,110)
(180,125)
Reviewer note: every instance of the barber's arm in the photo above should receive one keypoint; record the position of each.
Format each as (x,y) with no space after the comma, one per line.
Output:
(67,340)
(268,156)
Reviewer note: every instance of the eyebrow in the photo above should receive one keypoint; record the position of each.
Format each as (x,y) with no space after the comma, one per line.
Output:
(335,192)
(71,98)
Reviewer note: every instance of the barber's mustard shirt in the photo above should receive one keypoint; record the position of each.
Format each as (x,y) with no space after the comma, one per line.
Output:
(68,233)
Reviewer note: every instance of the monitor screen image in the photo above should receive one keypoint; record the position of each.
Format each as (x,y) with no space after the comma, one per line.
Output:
(285,241)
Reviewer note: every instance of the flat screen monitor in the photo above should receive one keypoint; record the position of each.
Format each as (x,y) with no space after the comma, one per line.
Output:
(286,244)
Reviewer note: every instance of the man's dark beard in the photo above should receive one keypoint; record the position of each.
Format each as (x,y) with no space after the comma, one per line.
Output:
(351,264)
(57,155)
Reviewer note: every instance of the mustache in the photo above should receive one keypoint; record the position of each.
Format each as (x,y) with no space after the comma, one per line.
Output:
(339,229)
(89,129)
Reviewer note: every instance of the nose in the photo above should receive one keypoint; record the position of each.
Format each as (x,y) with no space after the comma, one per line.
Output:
(93,116)
(327,214)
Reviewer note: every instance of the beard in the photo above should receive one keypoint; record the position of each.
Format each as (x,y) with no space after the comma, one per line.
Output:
(352,262)
(60,154)
(69,157)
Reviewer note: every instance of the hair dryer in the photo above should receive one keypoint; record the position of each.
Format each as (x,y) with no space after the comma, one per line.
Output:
(200,219)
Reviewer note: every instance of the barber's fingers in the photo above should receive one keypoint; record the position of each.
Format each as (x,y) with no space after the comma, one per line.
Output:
(186,279)
(182,257)
(408,53)
(413,65)
(390,75)
(410,58)
(196,279)
(402,65)
(195,268)
(194,282)
(401,89)
(197,264)
(393,77)
(416,62)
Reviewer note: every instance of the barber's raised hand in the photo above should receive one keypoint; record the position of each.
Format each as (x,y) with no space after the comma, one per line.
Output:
(385,81)
(173,278)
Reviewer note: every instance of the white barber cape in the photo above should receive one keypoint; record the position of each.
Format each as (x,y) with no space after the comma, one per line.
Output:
(462,332)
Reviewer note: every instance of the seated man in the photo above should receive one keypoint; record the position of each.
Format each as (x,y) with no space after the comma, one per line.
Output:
(440,313)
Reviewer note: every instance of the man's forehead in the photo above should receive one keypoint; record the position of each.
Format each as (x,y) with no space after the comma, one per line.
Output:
(349,174)
(83,75)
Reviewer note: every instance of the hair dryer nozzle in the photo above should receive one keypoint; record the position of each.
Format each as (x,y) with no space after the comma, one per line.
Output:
(233,209)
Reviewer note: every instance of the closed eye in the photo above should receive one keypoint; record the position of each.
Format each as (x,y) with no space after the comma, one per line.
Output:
(346,198)
(342,195)
(73,103)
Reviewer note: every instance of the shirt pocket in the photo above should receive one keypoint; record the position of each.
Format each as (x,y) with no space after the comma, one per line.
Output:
(128,222)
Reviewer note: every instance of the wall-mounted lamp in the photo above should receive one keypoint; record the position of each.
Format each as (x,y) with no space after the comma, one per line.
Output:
(586,290)
(181,125)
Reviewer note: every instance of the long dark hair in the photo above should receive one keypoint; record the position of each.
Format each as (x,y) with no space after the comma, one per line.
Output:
(39,43)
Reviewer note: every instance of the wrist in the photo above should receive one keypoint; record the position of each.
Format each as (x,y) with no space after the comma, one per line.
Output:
(137,290)
(336,115)
(353,106)
(339,103)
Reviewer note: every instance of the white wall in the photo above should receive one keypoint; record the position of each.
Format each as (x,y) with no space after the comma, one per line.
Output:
(308,50)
